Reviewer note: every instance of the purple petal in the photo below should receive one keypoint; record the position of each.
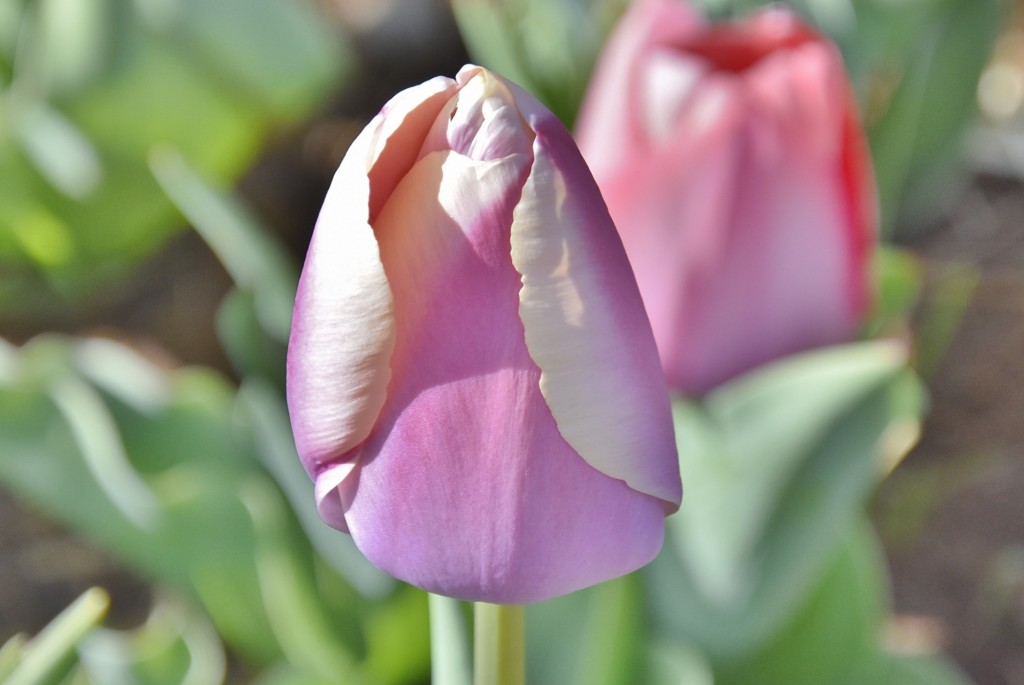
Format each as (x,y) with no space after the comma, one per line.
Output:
(465,486)
(342,328)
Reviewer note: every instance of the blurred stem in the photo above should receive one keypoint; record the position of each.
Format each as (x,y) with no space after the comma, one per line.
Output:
(449,659)
(499,644)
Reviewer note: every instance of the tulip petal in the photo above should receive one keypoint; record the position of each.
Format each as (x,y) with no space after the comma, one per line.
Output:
(787,225)
(465,486)
(607,128)
(585,323)
(337,379)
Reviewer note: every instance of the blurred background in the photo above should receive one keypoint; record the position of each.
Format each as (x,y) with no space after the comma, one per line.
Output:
(162,163)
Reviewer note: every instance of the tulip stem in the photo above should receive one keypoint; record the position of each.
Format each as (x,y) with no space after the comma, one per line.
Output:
(499,644)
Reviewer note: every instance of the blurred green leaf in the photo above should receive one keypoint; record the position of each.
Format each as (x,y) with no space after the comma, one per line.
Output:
(671,664)
(778,465)
(252,351)
(835,630)
(46,657)
(898,275)
(58,150)
(942,312)
(398,638)
(184,452)
(929,98)
(297,616)
(11,654)
(175,646)
(102,451)
(287,674)
(920,670)
(280,54)
(265,415)
(596,636)
(256,262)
(95,85)
(546,46)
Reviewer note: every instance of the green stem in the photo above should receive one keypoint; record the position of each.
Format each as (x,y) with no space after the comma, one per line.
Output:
(499,644)
(449,657)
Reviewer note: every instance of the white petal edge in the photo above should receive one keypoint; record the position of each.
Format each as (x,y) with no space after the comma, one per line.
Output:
(343,331)
(587,331)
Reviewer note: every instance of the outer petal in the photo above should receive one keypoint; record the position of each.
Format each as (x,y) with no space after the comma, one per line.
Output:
(608,130)
(740,186)
(673,207)
(582,312)
(783,283)
(342,330)
(465,486)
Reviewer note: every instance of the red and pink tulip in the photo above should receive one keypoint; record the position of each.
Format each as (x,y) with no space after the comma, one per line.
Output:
(734,165)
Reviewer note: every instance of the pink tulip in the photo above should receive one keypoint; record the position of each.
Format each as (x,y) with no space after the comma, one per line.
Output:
(734,166)
(472,380)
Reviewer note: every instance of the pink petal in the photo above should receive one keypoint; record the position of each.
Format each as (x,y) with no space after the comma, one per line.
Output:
(783,283)
(337,380)
(608,129)
(465,486)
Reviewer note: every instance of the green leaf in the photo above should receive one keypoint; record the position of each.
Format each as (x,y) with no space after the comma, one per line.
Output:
(916,141)
(180,460)
(176,644)
(11,654)
(777,465)
(398,638)
(281,54)
(288,587)
(264,413)
(672,664)
(833,632)
(595,636)
(95,85)
(898,275)
(254,259)
(547,46)
(253,353)
(45,657)
(942,312)
(58,150)
(920,670)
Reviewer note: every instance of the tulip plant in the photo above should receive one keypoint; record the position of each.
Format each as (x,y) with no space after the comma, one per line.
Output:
(472,380)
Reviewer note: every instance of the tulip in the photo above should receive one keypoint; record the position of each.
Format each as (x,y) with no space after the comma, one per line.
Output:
(734,166)
(472,380)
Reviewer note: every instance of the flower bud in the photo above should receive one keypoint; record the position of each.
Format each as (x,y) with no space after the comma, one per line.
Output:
(472,380)
(736,171)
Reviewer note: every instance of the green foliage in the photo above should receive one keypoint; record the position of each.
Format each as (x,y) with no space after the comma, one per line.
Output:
(834,632)
(596,636)
(925,94)
(47,658)
(175,646)
(548,48)
(778,465)
(150,475)
(898,276)
(91,86)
